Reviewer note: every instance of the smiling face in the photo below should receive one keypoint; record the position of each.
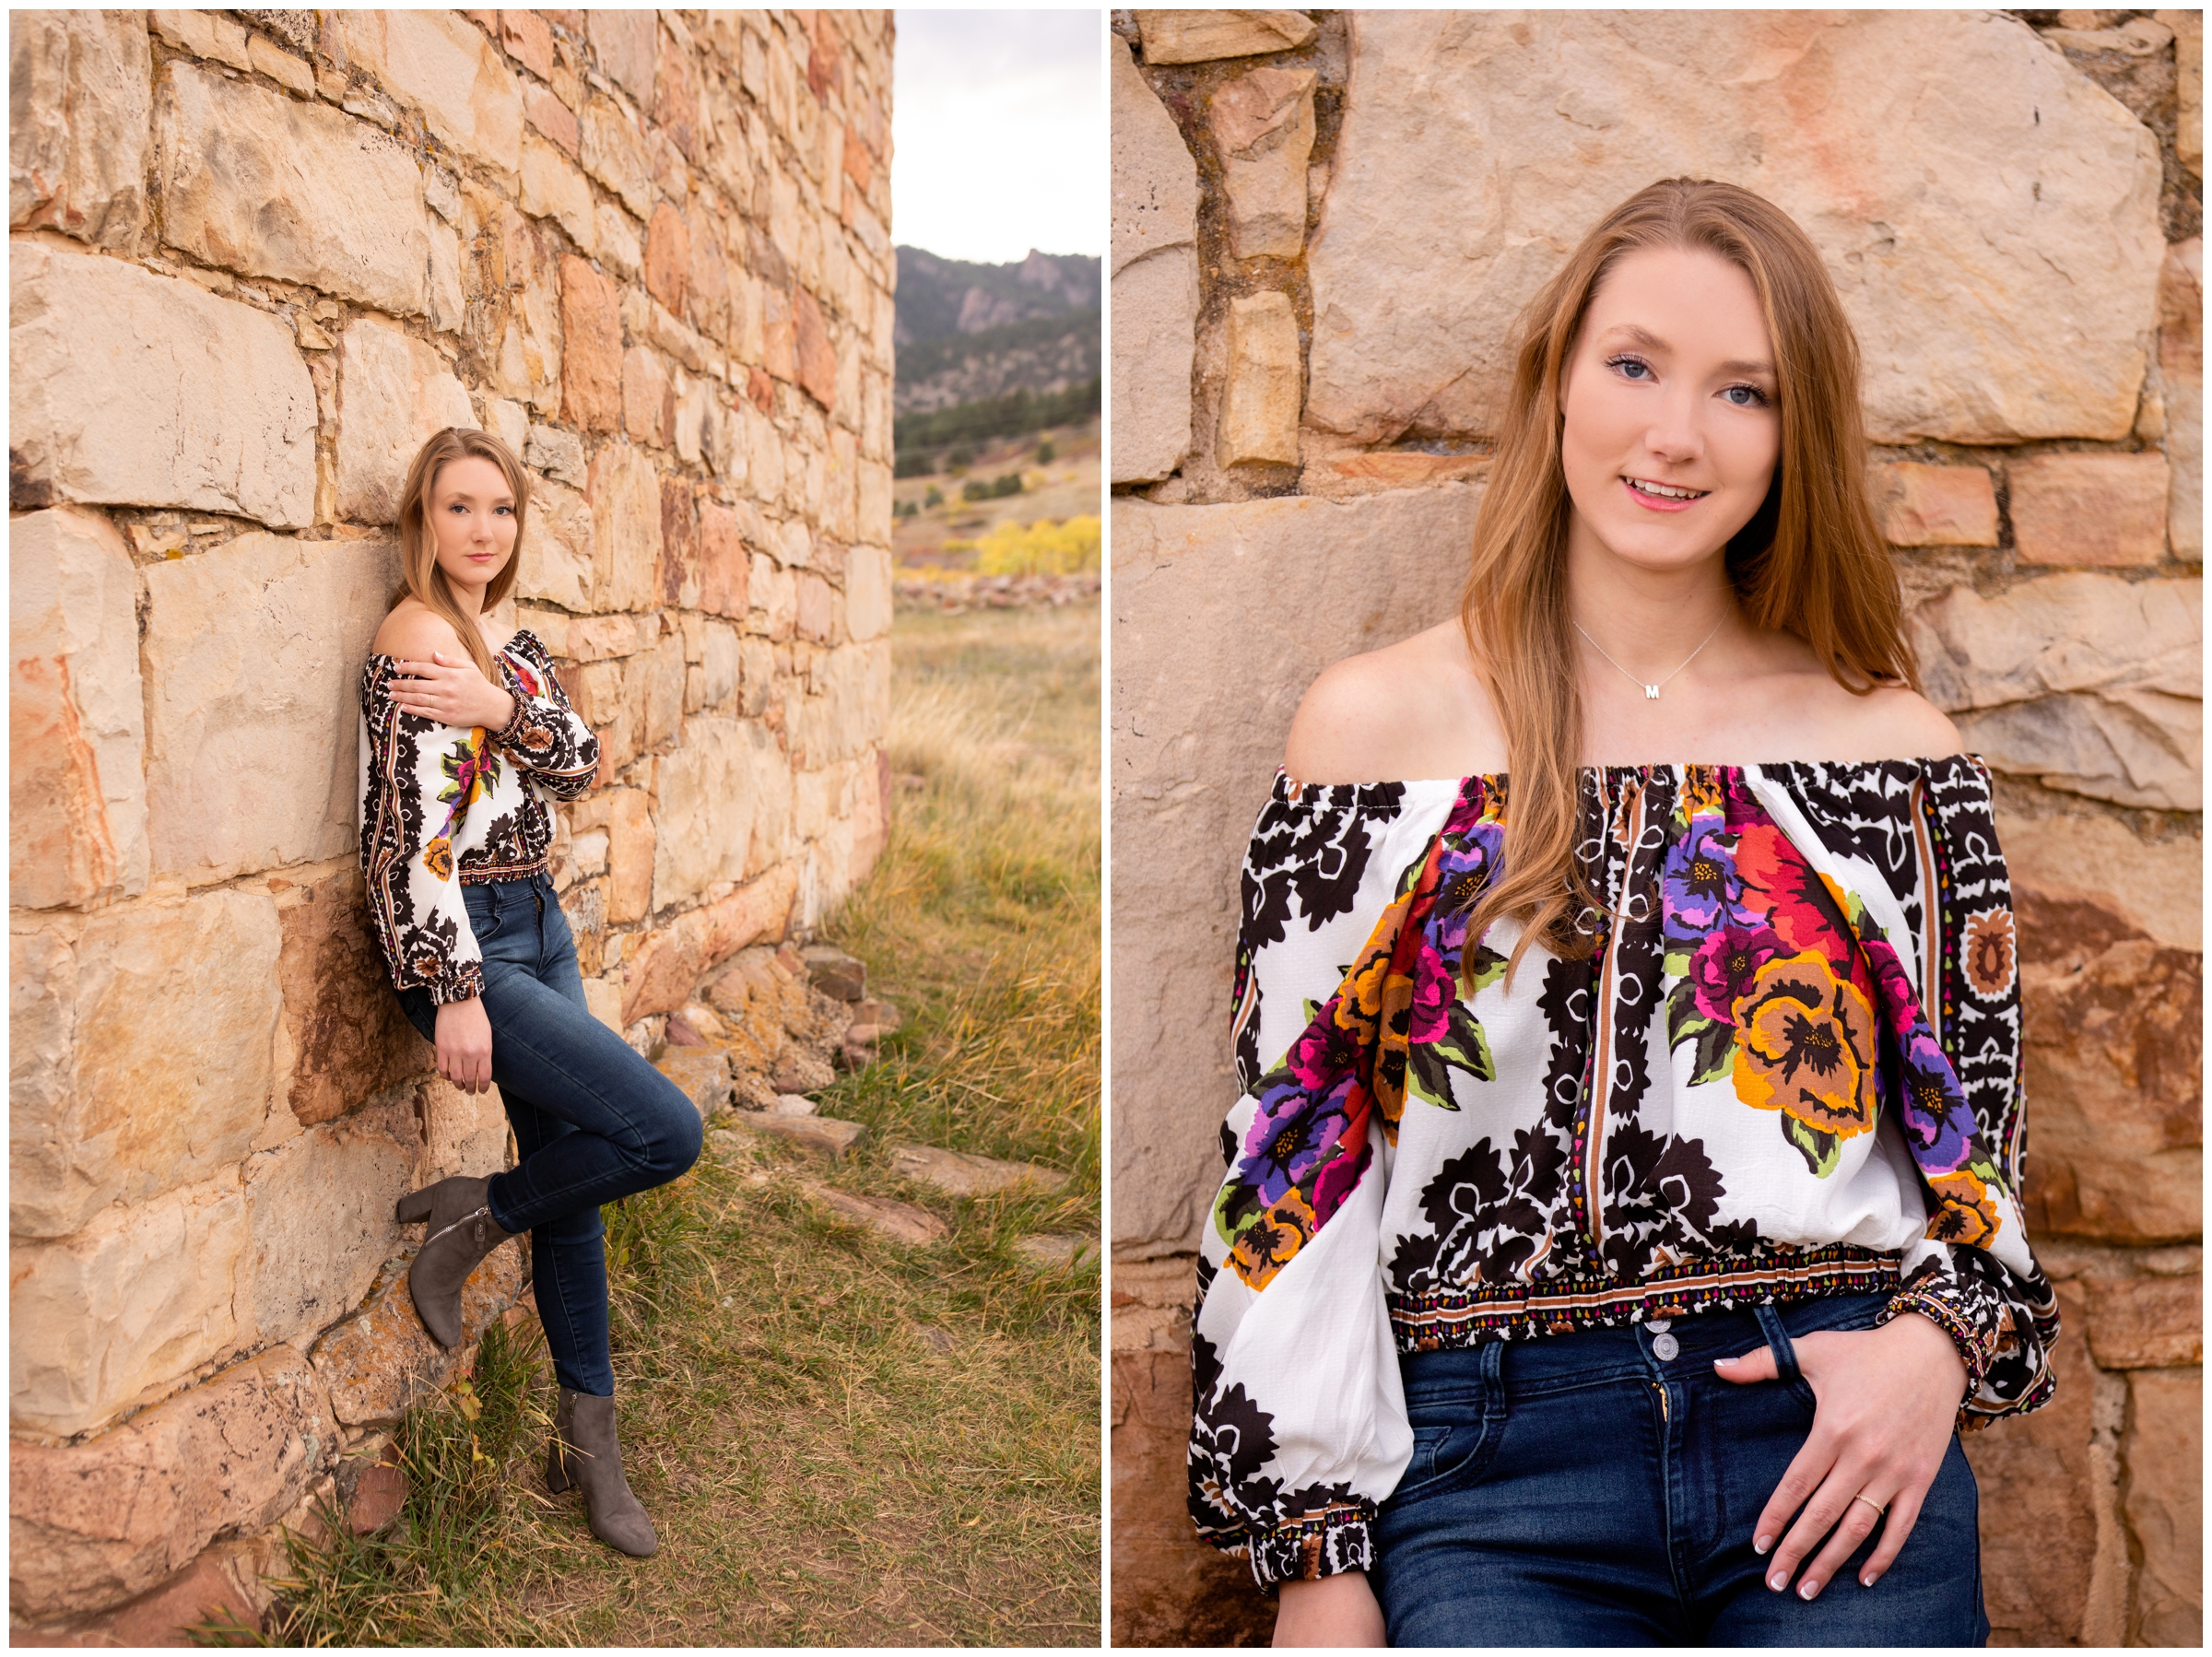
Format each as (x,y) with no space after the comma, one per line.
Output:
(1672,422)
(472,520)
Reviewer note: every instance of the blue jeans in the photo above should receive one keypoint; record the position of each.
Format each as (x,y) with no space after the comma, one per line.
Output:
(1576,1489)
(592,1121)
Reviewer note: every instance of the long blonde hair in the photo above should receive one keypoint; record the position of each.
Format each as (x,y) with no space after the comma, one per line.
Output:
(420,578)
(1809,562)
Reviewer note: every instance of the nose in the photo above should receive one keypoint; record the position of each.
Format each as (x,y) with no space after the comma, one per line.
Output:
(1675,434)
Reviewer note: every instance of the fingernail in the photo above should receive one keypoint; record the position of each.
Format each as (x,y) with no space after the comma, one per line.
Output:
(1807,1589)
(1761,1544)
(1865,1581)
(1778,1582)
(1721,1363)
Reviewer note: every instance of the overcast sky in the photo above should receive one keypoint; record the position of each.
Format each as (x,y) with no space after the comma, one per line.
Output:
(999,133)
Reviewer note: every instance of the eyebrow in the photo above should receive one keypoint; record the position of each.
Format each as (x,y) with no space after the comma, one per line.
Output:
(1652,342)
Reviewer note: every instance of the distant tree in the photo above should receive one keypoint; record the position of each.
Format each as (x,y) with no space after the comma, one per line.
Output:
(959,459)
(934,497)
(1046,453)
(913,463)
(1008,484)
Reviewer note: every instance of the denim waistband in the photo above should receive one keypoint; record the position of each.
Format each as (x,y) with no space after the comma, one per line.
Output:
(1585,1356)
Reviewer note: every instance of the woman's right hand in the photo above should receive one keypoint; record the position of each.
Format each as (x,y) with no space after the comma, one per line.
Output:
(465,1045)
(1331,1610)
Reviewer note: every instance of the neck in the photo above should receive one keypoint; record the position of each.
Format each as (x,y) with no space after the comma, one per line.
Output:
(1648,620)
(467,598)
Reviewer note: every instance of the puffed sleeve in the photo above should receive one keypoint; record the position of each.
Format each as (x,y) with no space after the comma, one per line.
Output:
(417,779)
(546,738)
(1298,1426)
(1973,1273)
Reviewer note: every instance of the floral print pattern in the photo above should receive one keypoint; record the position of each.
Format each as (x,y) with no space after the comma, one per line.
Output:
(485,793)
(1792,951)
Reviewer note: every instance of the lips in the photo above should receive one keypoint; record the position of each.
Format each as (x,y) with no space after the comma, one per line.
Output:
(1665,491)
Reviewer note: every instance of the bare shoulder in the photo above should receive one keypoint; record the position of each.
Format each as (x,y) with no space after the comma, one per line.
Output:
(413,632)
(1411,709)
(1898,724)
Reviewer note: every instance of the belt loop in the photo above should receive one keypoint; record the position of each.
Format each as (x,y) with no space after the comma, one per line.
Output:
(1778,1342)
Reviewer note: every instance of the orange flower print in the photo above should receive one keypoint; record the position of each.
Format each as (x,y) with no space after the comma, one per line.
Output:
(1807,1046)
(438,857)
(1989,953)
(1266,1246)
(1701,792)
(1965,1213)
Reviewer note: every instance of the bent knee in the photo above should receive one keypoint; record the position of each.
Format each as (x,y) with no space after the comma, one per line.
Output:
(678,1134)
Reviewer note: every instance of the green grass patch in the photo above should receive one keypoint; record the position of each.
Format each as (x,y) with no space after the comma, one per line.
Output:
(840,1440)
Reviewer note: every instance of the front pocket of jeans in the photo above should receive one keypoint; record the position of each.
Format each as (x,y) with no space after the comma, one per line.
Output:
(483,920)
(1450,1455)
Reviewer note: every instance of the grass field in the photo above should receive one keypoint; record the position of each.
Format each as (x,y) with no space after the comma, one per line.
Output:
(841,1441)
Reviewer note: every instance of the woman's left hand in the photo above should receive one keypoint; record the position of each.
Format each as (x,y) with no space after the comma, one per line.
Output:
(451,691)
(1886,1402)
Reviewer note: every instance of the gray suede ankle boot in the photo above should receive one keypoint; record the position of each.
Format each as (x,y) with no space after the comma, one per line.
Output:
(462,1232)
(585,1451)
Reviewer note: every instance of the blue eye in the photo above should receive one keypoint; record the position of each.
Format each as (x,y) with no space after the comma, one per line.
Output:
(1755,398)
(1625,363)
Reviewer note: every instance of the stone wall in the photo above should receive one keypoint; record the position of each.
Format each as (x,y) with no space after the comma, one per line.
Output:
(1324,224)
(256,258)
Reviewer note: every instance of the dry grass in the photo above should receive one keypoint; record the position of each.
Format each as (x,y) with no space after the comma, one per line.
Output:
(841,1441)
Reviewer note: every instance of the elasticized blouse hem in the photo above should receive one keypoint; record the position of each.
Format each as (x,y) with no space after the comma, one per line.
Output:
(485,874)
(1325,1544)
(1466,1317)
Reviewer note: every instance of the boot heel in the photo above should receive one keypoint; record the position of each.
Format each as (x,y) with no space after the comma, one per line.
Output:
(414,1207)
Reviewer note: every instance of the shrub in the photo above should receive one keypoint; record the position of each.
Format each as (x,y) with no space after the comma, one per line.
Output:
(1044,548)
(959,459)
(932,496)
(1046,453)
(913,463)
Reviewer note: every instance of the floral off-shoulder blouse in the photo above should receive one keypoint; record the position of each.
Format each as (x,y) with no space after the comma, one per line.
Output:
(1789,1067)
(442,807)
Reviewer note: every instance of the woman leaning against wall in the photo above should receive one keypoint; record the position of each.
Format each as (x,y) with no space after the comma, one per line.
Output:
(466,737)
(1621,1209)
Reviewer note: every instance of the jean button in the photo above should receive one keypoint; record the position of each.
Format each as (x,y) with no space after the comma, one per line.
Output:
(1666,1348)
(1658,1325)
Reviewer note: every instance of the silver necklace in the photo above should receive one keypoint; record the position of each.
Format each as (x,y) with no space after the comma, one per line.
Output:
(1651,692)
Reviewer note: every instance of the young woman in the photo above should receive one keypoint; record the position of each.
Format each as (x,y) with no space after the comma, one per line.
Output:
(1620,1213)
(466,737)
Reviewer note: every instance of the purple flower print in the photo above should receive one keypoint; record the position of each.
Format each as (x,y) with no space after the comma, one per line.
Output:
(1465,867)
(1939,1125)
(1725,965)
(1293,1135)
(1892,990)
(1699,883)
(1434,991)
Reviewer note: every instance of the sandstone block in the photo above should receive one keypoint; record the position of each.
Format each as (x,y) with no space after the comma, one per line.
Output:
(868,592)
(1196,36)
(648,410)
(76,722)
(1260,398)
(656,679)
(591,328)
(319,1207)
(615,154)
(2146,1323)
(225,1578)
(256,648)
(113,1315)
(80,85)
(441,63)
(447,308)
(1168,1586)
(721,665)
(628,48)
(725,566)
(816,610)
(902,1222)
(667,256)
(262,183)
(1920,505)
(616,235)
(2039,1484)
(527,36)
(2189,63)
(127,386)
(836,974)
(2088,681)
(556,453)
(146,1057)
(281,66)
(2082,883)
(91,1525)
(517,326)
(1183,795)
(560,561)
(1262,126)
(382,1360)
(2181,370)
(204,34)
(459,1132)
(394,392)
(849,709)
(711,791)
(2115,1066)
(553,189)
(703,1074)
(1414,325)
(625,497)
(819,1135)
(964,1174)
(630,856)
(1154,273)
(350,1038)
(2164,1451)
(2089,509)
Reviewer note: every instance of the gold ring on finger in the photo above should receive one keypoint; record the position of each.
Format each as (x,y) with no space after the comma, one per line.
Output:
(1871,1502)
